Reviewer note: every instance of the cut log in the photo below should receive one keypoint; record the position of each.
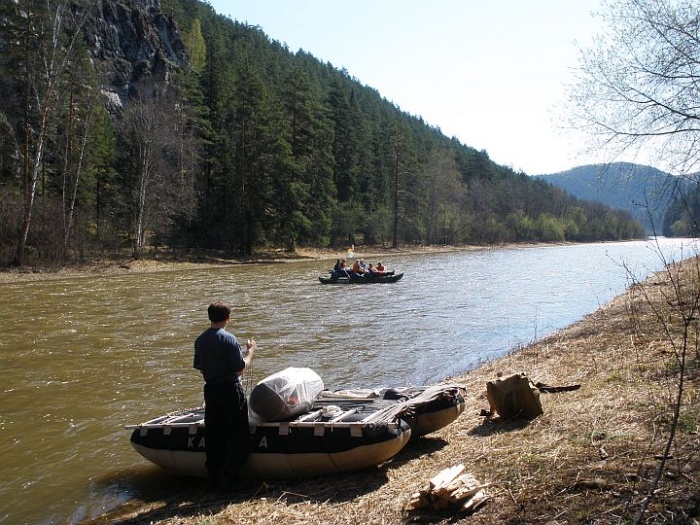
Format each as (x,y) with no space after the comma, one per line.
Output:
(451,488)
(444,477)
(475,502)
(470,487)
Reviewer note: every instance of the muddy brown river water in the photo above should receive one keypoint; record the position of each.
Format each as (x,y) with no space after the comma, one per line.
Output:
(82,357)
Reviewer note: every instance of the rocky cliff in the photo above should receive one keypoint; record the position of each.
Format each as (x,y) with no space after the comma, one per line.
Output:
(131,41)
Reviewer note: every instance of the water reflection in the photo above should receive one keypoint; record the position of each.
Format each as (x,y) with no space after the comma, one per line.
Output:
(82,357)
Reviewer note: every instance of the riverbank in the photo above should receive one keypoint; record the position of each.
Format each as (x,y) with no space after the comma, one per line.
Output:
(163,261)
(593,456)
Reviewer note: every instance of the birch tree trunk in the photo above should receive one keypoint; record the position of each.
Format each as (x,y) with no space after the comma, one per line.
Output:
(40,92)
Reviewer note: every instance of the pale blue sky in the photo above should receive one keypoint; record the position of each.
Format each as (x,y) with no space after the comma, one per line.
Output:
(491,73)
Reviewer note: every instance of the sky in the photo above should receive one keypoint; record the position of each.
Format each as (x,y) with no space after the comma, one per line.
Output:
(492,73)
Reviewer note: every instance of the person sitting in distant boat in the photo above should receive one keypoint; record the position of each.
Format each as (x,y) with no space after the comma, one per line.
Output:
(339,270)
(357,268)
(335,272)
(380,270)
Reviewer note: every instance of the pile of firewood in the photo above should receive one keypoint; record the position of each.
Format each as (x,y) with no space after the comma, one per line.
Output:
(451,489)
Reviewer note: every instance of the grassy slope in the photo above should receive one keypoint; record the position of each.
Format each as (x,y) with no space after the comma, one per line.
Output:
(590,458)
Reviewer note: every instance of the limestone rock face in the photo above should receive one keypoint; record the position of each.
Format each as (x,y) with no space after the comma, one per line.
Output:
(131,41)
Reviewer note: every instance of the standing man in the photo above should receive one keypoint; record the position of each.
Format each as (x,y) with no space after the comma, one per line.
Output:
(218,355)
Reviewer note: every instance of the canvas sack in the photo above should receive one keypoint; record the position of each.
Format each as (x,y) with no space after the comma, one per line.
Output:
(513,397)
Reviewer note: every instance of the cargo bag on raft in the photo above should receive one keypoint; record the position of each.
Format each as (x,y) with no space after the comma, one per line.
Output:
(285,394)
(513,397)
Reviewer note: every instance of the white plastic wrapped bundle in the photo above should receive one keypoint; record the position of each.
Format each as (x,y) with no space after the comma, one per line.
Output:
(285,394)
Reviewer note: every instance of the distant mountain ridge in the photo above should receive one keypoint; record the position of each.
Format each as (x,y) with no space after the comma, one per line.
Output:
(645,192)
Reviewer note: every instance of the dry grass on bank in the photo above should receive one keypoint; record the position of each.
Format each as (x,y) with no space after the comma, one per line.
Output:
(592,457)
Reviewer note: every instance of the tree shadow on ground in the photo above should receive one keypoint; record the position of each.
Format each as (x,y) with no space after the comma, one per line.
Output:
(446,516)
(147,495)
(498,425)
(417,447)
(194,498)
(154,495)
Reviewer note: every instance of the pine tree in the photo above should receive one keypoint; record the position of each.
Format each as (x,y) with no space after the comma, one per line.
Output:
(311,187)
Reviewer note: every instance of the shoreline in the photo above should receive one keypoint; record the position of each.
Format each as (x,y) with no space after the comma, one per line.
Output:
(591,457)
(164,262)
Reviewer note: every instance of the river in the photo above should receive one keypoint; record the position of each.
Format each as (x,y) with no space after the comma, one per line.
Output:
(82,357)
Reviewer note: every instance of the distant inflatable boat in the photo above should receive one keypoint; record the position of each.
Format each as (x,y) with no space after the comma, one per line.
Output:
(342,431)
(363,279)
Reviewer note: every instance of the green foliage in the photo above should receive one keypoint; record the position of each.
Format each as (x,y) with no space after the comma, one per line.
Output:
(196,47)
(645,192)
(683,215)
(549,228)
(250,145)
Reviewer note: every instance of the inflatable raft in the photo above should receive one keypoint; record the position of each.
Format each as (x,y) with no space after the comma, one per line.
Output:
(314,446)
(425,409)
(338,432)
(365,279)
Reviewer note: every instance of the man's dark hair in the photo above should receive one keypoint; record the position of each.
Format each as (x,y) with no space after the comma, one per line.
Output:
(218,311)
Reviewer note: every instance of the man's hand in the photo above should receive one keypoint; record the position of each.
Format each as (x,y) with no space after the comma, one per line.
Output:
(251,345)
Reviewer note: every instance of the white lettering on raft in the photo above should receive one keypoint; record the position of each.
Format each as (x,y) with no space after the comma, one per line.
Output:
(191,444)
(263,443)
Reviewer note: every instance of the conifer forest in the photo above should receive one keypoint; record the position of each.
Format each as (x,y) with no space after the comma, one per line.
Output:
(128,126)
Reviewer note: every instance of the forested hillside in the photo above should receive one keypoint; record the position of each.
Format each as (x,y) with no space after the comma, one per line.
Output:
(645,192)
(136,123)
(664,204)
